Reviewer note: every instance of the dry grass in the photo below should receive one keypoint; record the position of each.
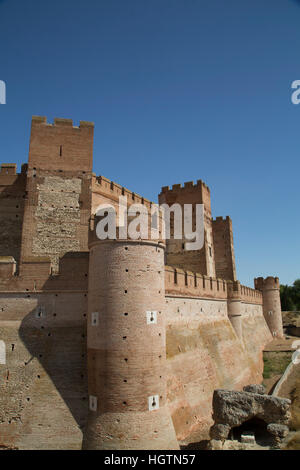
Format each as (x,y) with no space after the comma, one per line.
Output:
(295,408)
(290,317)
(275,363)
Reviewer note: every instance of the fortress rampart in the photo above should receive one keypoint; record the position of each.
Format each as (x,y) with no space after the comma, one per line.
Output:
(77,368)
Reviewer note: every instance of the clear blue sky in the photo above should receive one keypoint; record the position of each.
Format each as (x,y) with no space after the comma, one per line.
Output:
(179,90)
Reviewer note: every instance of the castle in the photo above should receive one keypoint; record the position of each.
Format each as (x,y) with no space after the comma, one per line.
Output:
(115,344)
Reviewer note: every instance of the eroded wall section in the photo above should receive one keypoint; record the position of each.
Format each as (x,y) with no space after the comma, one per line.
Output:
(204,353)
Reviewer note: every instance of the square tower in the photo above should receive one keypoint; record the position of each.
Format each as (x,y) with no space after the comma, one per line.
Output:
(201,261)
(58,189)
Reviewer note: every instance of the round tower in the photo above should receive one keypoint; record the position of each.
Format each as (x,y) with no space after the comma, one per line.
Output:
(234,305)
(127,347)
(271,303)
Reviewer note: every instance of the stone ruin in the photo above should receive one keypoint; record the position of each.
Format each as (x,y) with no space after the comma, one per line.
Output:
(249,411)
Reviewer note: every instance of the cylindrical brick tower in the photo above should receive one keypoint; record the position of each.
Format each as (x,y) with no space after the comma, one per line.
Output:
(127,347)
(234,305)
(271,303)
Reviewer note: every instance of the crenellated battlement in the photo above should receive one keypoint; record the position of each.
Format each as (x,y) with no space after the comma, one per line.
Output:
(186,186)
(189,193)
(237,291)
(269,282)
(248,294)
(234,290)
(61,145)
(8,169)
(35,274)
(221,219)
(110,189)
(60,122)
(190,284)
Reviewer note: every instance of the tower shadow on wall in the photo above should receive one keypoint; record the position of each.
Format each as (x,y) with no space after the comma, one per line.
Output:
(55,336)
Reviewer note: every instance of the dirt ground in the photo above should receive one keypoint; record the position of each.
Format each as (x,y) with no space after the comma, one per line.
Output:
(277,356)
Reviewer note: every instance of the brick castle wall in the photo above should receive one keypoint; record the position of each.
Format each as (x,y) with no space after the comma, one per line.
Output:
(46,210)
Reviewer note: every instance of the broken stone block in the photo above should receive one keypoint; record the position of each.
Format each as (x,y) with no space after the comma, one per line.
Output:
(235,408)
(219,431)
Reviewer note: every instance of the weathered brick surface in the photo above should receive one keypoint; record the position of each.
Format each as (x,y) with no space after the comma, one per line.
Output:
(204,353)
(43,403)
